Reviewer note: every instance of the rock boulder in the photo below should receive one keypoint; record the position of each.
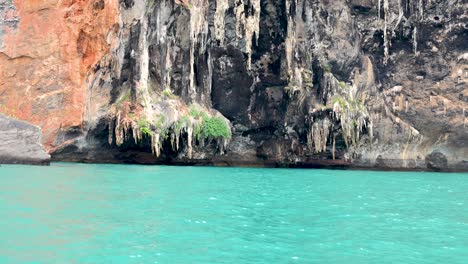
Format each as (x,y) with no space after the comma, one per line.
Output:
(20,143)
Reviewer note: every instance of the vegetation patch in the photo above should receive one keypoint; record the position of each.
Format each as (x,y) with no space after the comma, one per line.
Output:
(184,121)
(144,126)
(215,127)
(342,84)
(168,94)
(194,111)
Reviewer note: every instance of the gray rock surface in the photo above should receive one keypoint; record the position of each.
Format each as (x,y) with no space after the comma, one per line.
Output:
(20,143)
(437,161)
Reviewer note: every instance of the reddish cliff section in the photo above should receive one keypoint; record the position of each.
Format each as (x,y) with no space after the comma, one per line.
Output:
(46,51)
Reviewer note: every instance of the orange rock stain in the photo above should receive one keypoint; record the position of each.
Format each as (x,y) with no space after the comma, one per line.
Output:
(46,59)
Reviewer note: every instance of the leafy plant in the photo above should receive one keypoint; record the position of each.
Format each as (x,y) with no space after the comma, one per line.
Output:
(197,129)
(341,101)
(215,127)
(144,127)
(146,131)
(342,84)
(194,111)
(184,121)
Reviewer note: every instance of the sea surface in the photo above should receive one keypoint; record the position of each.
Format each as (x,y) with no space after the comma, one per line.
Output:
(76,213)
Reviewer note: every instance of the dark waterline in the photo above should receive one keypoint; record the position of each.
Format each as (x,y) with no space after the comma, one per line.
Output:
(85,213)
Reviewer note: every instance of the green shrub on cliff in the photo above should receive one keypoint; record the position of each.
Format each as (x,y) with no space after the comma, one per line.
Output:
(342,84)
(215,127)
(143,125)
(146,131)
(194,111)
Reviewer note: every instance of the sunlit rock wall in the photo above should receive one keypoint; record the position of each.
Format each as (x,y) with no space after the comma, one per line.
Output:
(47,48)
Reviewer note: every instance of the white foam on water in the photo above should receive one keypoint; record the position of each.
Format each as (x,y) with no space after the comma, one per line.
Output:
(213,198)
(295,258)
(392,214)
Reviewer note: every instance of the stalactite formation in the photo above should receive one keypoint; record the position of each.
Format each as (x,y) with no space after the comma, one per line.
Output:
(247,24)
(346,110)
(353,119)
(219,20)
(197,124)
(385,31)
(122,127)
(290,42)
(318,134)
(415,40)
(198,34)
(393,19)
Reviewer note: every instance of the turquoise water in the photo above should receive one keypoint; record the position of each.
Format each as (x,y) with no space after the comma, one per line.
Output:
(74,213)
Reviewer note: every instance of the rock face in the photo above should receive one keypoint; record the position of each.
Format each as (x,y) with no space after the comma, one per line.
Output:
(20,143)
(47,49)
(348,83)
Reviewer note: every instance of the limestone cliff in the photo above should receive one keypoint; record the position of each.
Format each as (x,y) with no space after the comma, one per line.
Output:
(350,83)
